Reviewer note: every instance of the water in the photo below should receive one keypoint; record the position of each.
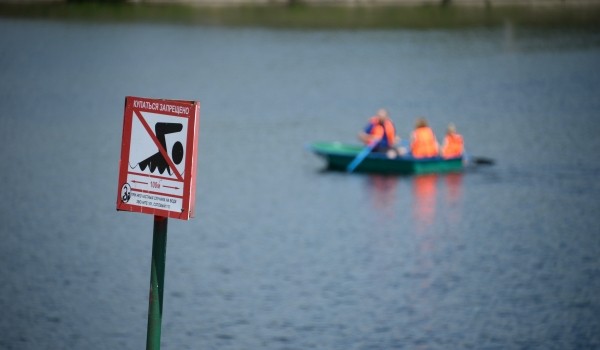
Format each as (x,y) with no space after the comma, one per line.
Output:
(284,255)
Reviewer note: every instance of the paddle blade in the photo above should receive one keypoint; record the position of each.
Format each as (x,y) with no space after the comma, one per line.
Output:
(483,161)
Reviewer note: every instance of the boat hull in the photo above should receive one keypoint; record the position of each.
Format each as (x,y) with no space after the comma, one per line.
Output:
(339,155)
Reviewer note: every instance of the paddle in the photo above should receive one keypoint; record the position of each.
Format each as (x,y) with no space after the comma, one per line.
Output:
(479,160)
(483,161)
(361,156)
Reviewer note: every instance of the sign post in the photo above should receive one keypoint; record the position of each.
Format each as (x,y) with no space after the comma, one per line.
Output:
(157,176)
(157,282)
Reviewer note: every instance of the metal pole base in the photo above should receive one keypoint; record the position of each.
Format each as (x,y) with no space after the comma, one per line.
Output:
(157,280)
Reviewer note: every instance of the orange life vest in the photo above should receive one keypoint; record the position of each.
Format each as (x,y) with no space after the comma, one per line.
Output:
(379,131)
(424,144)
(453,146)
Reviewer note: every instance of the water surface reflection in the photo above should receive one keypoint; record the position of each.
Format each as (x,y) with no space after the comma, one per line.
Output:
(433,193)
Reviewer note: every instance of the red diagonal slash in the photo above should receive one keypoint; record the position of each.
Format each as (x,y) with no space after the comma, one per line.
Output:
(160,147)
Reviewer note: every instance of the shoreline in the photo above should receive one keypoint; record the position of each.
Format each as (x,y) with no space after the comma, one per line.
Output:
(327,3)
(321,16)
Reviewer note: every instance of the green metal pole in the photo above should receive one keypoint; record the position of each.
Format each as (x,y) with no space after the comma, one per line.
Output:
(157,281)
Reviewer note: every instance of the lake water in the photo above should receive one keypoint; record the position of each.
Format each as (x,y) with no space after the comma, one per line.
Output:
(282,254)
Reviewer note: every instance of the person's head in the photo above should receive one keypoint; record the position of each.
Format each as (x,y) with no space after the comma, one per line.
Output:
(382,114)
(421,122)
(451,129)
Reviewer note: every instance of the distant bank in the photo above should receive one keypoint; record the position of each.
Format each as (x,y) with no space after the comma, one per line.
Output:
(323,14)
(387,2)
(346,3)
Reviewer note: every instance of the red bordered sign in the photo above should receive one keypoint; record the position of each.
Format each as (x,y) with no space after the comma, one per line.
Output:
(157,172)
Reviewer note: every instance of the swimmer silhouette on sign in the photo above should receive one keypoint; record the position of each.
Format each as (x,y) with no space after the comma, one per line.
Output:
(157,161)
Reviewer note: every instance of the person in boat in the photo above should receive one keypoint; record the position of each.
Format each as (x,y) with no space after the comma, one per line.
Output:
(453,146)
(423,143)
(381,130)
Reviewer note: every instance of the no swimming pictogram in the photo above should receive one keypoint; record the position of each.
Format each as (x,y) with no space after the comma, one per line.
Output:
(158,157)
(162,160)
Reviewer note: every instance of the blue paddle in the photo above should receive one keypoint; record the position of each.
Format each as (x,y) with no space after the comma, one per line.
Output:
(361,156)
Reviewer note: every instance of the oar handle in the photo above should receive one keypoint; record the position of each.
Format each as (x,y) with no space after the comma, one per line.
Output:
(361,156)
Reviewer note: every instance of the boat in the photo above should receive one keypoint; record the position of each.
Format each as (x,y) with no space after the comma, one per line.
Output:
(339,155)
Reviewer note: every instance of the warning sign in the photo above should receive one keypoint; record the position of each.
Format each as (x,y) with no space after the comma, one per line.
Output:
(157,173)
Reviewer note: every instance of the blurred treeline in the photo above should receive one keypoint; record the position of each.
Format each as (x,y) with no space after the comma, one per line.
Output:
(297,14)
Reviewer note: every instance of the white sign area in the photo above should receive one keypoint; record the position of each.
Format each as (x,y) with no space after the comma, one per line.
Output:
(151,175)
